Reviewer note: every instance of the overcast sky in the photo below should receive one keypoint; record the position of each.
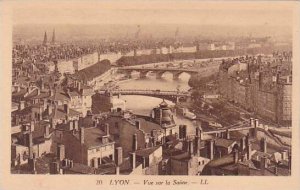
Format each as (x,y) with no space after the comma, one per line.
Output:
(199,13)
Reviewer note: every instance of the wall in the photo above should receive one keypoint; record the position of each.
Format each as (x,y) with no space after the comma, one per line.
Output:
(73,148)
(126,137)
(100,152)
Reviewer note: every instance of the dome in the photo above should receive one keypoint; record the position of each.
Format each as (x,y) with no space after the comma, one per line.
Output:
(163,104)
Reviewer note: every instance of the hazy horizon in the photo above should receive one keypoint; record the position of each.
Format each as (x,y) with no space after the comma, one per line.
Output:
(157,19)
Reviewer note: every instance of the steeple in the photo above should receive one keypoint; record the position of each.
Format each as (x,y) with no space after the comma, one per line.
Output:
(53,37)
(45,39)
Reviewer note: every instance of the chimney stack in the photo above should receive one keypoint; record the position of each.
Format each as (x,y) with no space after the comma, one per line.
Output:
(21,105)
(227,133)
(263,164)
(95,160)
(76,125)
(182,132)
(31,164)
(263,145)
(117,170)
(191,147)
(81,135)
(71,125)
(248,147)
(51,92)
(138,125)
(132,160)
(284,155)
(236,156)
(107,129)
(163,140)
(119,156)
(79,86)
(243,143)
(44,105)
(61,152)
(252,124)
(198,140)
(49,109)
(47,130)
(134,143)
(52,123)
(66,109)
(211,149)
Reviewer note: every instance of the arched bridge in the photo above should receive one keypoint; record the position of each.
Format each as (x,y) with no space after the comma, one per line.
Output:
(169,95)
(158,71)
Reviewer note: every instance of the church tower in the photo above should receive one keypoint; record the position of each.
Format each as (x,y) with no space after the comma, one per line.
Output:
(45,39)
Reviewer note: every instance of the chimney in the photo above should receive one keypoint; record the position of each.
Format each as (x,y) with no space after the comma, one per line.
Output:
(54,168)
(49,109)
(254,130)
(252,124)
(76,125)
(81,135)
(290,162)
(60,152)
(263,164)
(117,170)
(51,92)
(42,84)
(21,105)
(38,91)
(191,147)
(71,163)
(107,129)
(79,86)
(71,125)
(284,155)
(134,143)
(182,132)
(66,109)
(119,156)
(31,164)
(236,156)
(243,143)
(163,140)
(95,160)
(44,104)
(132,160)
(52,123)
(144,162)
(47,130)
(248,147)
(138,125)
(40,115)
(263,145)
(211,149)
(227,133)
(198,140)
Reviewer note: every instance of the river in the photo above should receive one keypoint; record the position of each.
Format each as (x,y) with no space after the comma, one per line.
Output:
(142,105)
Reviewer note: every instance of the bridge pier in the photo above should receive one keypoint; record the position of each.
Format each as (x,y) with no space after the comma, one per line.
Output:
(128,74)
(159,75)
(176,75)
(143,74)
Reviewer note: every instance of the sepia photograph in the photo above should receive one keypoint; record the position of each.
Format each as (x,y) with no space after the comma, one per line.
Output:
(151,89)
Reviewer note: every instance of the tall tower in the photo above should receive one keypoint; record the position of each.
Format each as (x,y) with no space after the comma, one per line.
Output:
(45,39)
(53,37)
